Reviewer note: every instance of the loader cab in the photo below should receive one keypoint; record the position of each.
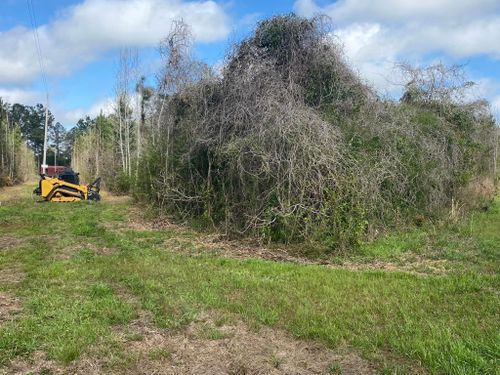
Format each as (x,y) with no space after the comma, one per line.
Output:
(70,176)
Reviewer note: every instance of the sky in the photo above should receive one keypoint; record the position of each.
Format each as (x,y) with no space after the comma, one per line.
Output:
(80,42)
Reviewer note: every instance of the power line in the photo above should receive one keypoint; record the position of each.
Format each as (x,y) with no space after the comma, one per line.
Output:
(36,38)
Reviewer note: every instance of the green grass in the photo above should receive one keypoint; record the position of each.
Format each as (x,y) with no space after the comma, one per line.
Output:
(334,369)
(472,245)
(448,323)
(158,354)
(211,333)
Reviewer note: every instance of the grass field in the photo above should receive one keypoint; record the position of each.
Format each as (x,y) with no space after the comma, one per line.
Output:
(75,277)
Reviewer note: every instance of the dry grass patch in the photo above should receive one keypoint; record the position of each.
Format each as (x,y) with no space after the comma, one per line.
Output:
(415,265)
(68,252)
(211,345)
(10,242)
(236,349)
(14,193)
(11,275)
(37,364)
(9,307)
(114,199)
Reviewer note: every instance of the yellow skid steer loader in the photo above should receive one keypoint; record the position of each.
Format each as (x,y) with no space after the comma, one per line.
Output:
(66,188)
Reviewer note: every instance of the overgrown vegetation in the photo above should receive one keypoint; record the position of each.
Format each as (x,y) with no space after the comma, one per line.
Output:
(22,131)
(17,163)
(288,144)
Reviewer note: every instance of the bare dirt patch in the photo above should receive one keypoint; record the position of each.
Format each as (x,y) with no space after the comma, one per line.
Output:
(11,275)
(240,350)
(9,307)
(410,264)
(207,347)
(215,244)
(10,242)
(37,363)
(67,252)
(136,220)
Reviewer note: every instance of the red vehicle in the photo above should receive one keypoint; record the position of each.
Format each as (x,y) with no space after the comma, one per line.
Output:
(54,170)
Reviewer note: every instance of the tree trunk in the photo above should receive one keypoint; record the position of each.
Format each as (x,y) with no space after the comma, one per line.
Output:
(121,137)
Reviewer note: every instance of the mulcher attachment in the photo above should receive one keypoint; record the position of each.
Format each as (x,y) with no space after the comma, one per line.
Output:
(93,190)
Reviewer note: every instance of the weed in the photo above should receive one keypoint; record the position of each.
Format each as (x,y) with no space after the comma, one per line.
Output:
(211,333)
(276,361)
(334,369)
(159,354)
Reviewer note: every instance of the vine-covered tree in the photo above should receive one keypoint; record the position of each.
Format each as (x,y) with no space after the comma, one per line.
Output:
(287,143)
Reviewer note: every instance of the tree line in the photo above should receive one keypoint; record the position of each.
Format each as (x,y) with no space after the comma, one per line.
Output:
(21,141)
(287,143)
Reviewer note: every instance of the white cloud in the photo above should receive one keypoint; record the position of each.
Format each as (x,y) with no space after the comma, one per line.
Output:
(495,107)
(71,117)
(495,103)
(17,95)
(82,32)
(379,33)
(249,20)
(306,8)
(405,11)
(63,115)
(459,28)
(494,100)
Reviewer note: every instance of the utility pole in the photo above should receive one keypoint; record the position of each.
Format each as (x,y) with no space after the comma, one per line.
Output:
(44,162)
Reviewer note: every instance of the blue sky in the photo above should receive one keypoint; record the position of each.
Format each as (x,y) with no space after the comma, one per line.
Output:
(80,41)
